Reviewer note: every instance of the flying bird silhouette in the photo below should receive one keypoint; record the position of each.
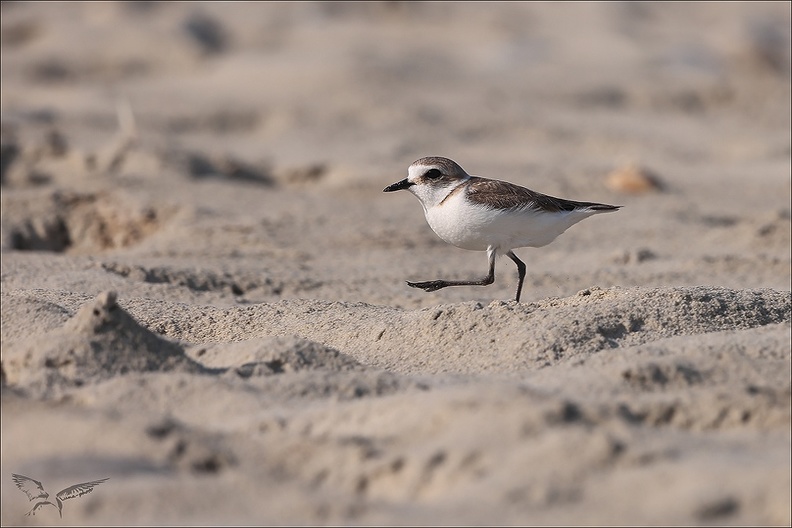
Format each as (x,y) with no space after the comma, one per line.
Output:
(34,490)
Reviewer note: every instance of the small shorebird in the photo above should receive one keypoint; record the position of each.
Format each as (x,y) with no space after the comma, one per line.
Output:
(495,216)
(34,490)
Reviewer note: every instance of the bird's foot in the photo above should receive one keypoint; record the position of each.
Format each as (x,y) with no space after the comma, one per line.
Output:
(428,286)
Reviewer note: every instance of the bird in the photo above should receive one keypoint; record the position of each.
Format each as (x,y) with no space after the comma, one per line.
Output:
(481,214)
(34,490)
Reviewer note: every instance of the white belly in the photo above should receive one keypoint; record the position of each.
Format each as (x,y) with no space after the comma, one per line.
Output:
(474,227)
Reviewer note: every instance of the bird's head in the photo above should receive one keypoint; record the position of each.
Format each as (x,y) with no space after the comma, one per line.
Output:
(431,179)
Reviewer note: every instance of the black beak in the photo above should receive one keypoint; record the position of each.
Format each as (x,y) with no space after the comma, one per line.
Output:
(398,186)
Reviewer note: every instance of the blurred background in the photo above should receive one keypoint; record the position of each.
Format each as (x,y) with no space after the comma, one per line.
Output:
(376,83)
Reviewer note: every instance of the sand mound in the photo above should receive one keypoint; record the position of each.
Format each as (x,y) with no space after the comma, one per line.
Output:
(499,337)
(99,342)
(102,341)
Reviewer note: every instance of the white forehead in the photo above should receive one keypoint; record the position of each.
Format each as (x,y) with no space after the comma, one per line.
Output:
(417,170)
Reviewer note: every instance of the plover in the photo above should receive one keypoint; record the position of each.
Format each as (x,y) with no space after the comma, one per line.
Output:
(480,214)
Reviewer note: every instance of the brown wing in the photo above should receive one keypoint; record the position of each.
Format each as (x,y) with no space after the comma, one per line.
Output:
(504,195)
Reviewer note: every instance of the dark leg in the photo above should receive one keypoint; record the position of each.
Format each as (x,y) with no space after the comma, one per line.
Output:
(435,285)
(520,270)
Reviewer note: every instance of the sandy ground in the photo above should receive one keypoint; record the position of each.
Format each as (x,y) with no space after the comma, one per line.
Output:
(203,285)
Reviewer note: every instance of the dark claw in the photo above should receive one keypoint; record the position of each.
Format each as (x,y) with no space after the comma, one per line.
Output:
(428,286)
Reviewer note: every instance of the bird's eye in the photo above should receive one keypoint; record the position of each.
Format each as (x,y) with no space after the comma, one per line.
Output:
(433,174)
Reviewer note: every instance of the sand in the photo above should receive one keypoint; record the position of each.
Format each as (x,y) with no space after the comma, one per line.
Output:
(203,285)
